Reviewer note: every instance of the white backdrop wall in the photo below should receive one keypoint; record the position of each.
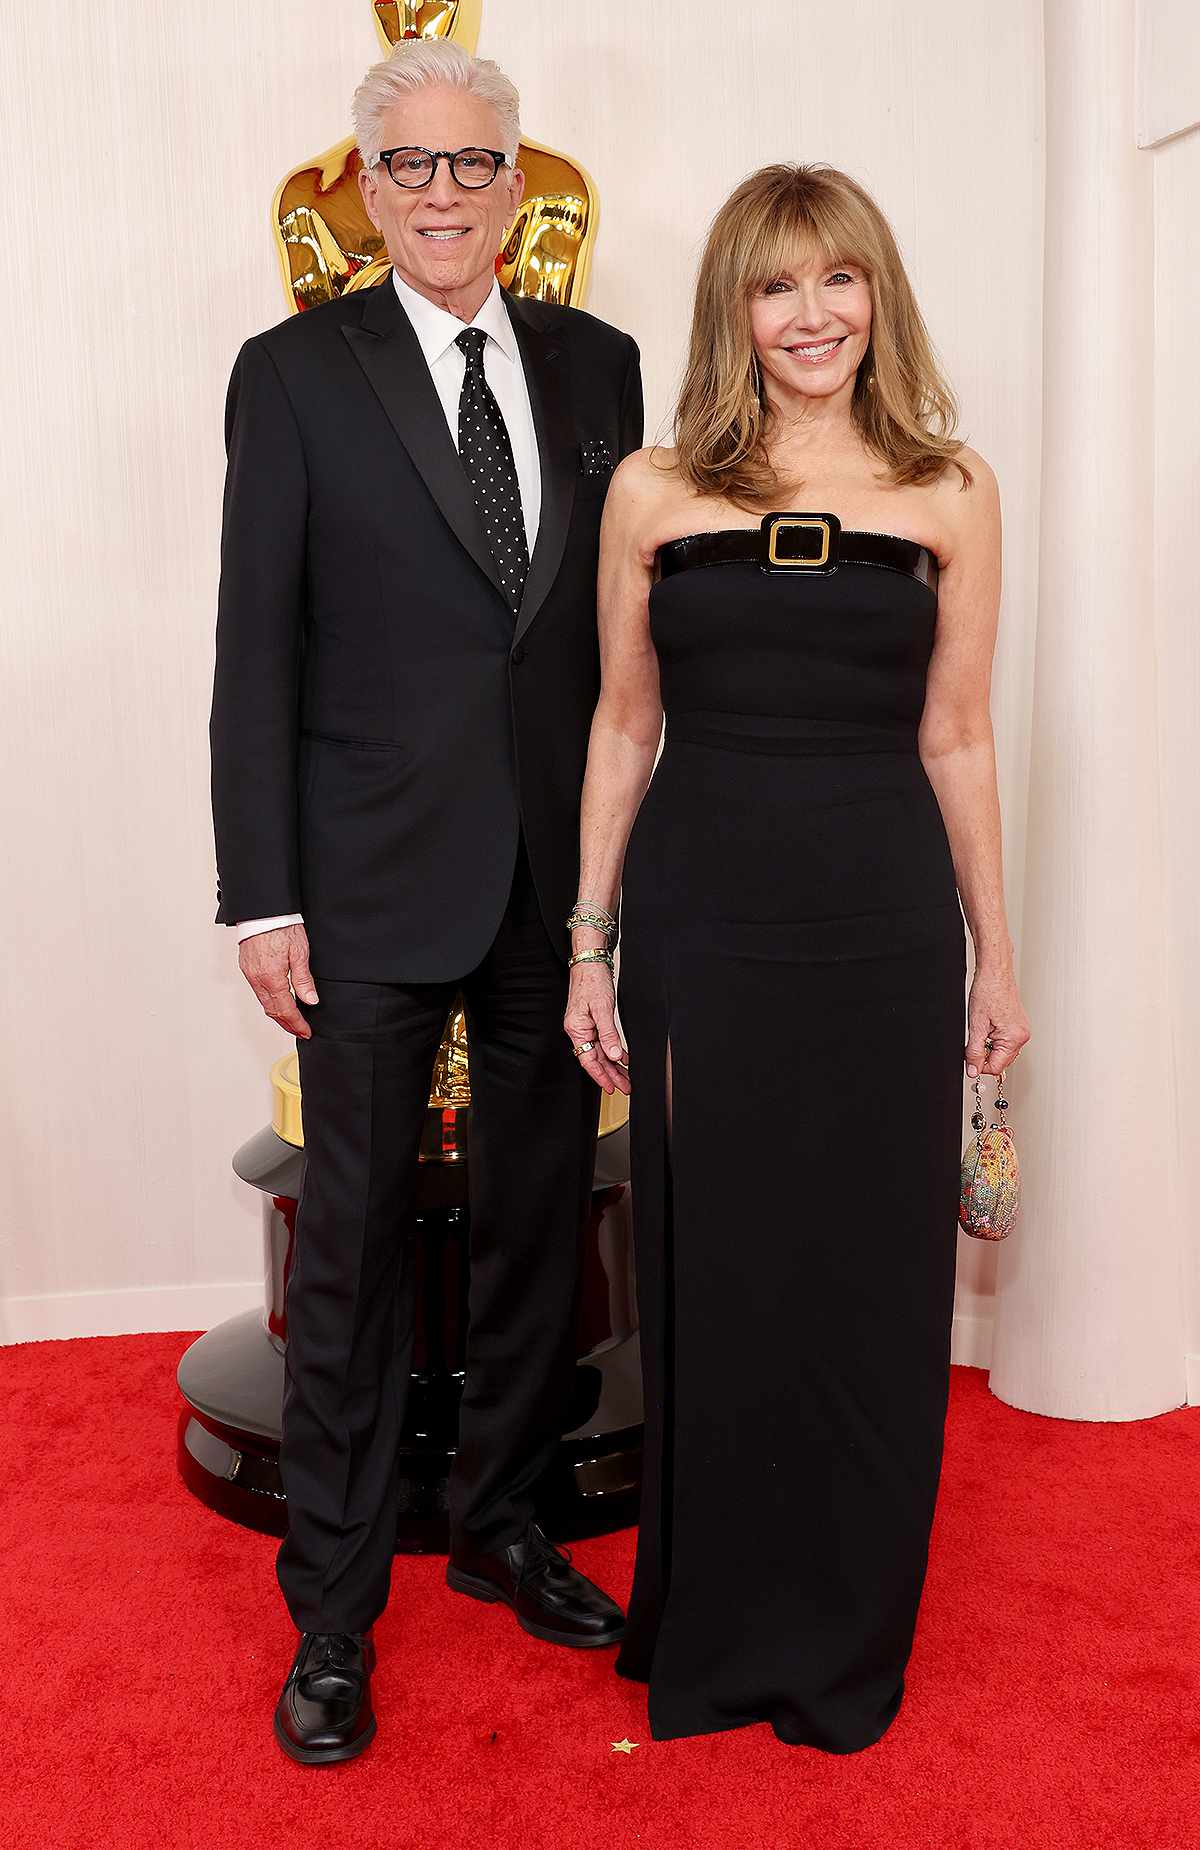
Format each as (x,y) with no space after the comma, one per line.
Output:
(1090,1318)
(1173,77)
(146,141)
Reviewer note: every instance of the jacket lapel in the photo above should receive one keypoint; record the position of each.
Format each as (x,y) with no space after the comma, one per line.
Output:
(387,350)
(547,374)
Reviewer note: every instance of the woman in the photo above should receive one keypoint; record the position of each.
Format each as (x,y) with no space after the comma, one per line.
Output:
(793,959)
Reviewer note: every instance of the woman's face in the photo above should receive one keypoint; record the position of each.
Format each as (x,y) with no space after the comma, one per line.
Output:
(811,325)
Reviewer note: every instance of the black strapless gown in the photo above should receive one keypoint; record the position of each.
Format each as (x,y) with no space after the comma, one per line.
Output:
(791,926)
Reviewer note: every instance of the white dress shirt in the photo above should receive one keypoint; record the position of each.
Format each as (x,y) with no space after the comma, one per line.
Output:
(437,333)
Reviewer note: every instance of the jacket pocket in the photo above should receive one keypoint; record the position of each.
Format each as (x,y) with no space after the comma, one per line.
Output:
(342,738)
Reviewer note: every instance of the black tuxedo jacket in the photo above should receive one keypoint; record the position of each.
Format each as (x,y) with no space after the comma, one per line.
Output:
(381,726)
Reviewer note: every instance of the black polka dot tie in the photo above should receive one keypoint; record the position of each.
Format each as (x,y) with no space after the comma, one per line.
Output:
(487,456)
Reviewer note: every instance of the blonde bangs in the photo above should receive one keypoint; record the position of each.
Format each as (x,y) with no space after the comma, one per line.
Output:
(795,229)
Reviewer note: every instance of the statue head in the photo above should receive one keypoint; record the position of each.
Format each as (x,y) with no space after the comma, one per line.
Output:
(428,19)
(416,19)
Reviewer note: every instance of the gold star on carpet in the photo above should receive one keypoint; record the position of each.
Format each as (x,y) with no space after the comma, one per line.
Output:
(624,1747)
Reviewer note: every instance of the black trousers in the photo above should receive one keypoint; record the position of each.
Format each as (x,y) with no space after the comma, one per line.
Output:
(365,1077)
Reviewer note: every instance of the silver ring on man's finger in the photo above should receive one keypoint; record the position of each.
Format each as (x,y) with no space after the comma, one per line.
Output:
(583,1047)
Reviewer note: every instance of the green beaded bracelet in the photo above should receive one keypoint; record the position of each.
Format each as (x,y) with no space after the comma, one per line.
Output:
(589,921)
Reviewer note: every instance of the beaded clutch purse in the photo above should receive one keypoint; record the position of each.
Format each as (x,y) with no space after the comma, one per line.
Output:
(989,1199)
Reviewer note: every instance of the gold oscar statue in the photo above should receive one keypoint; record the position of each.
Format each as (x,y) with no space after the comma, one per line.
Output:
(327,245)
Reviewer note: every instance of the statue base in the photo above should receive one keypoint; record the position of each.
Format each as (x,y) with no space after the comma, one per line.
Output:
(232,1377)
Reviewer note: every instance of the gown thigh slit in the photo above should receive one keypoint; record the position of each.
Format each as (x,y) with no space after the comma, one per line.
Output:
(791,939)
(655,1292)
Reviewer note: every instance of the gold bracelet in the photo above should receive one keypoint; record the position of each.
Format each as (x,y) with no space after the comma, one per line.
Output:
(598,909)
(582,921)
(592,957)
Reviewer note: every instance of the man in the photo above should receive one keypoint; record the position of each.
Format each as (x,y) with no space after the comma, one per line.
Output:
(406,672)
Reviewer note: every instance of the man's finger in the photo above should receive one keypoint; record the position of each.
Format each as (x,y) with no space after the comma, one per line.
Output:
(280,1005)
(302,977)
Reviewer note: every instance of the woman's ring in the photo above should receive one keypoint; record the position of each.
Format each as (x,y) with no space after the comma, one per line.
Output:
(585,1047)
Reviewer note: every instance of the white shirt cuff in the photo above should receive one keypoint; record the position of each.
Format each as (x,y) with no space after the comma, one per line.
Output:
(250,928)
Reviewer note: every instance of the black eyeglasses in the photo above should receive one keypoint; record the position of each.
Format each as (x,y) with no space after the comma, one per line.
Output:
(413,168)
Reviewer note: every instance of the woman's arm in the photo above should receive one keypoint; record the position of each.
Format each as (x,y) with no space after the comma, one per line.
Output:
(626,728)
(958,752)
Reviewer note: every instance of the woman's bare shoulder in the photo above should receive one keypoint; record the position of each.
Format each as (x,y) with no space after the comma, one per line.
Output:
(953,487)
(964,507)
(981,471)
(645,472)
(641,487)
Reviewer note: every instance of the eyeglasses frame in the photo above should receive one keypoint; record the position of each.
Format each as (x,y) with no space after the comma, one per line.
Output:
(385,156)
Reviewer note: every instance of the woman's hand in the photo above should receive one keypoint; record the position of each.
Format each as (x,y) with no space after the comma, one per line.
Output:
(994,1014)
(590,1016)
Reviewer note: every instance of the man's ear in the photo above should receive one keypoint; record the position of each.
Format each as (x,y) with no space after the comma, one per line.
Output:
(368,186)
(516,190)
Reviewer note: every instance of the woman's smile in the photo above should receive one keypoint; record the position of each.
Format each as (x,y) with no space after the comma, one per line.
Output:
(815,353)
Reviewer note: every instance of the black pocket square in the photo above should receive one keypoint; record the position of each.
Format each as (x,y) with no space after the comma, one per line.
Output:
(595,457)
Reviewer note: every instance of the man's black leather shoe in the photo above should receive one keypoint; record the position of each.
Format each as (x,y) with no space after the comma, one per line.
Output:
(324,1710)
(551,1599)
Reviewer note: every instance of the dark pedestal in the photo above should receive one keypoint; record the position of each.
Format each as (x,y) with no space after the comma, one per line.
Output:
(232,1377)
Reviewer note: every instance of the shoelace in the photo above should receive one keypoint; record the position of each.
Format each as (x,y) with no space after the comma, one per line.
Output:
(539,1553)
(330,1651)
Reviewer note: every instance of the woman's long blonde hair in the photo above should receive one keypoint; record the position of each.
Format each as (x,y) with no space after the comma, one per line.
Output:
(902,404)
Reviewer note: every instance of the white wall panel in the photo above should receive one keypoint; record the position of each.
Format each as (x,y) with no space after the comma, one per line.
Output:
(1177,606)
(1168,69)
(1088,1318)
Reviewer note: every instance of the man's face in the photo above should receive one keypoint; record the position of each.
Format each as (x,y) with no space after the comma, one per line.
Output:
(443,239)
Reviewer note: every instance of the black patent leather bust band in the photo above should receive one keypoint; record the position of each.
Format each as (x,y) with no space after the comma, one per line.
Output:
(751,546)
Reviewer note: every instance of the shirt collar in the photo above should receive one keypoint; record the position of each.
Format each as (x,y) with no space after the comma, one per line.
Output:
(437,330)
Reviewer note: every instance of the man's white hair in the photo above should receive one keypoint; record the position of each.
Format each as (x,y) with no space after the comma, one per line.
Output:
(414,64)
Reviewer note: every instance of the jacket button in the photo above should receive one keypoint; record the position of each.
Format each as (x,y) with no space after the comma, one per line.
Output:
(518,654)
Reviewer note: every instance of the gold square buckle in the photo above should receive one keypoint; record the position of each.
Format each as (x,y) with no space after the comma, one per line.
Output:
(826,526)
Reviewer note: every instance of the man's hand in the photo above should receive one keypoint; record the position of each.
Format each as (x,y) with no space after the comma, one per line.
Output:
(267,961)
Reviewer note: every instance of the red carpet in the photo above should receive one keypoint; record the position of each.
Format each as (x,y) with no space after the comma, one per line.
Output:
(1051,1701)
